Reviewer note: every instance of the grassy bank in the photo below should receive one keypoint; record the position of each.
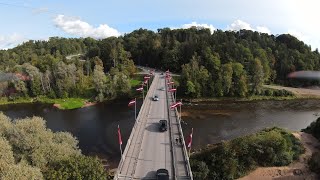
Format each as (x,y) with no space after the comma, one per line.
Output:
(66,103)
(236,158)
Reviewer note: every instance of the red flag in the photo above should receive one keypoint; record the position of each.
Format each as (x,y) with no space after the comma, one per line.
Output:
(132,102)
(172,90)
(176,104)
(146,77)
(190,139)
(119,136)
(140,89)
(172,82)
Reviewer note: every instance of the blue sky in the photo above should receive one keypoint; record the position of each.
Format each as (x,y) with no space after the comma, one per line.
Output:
(40,19)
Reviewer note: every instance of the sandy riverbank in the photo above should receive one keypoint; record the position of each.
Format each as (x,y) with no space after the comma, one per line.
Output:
(296,170)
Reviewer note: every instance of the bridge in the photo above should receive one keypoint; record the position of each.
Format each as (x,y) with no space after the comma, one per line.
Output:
(147,148)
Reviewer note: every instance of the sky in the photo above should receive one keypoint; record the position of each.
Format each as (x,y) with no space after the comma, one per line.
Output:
(23,20)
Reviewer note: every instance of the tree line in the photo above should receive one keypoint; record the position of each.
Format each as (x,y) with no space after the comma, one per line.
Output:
(102,70)
(222,63)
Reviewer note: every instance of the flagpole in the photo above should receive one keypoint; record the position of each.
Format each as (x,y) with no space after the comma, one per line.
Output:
(180,110)
(142,94)
(191,143)
(135,109)
(119,141)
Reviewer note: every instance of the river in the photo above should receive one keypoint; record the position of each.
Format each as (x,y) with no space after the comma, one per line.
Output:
(96,126)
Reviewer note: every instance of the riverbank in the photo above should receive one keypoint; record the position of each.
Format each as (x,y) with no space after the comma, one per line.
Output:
(298,92)
(240,156)
(296,170)
(65,103)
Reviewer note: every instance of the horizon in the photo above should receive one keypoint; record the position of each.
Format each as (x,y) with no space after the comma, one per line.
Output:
(39,20)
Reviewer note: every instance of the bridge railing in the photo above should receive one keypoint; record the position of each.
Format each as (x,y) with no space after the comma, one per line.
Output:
(185,152)
(116,177)
(171,134)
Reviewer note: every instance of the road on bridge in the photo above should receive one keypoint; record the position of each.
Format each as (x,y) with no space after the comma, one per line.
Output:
(148,149)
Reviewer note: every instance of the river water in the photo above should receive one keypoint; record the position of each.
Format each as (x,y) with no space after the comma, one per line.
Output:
(96,126)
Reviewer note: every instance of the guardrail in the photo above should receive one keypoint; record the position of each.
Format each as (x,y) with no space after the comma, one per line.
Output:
(116,177)
(171,135)
(185,152)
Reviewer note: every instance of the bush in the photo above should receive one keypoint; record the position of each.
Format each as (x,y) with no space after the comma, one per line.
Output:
(235,158)
(200,169)
(76,167)
(314,162)
(28,149)
(314,129)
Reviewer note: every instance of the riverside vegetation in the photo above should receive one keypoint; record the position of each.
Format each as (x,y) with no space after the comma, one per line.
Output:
(217,64)
(236,158)
(28,150)
(314,129)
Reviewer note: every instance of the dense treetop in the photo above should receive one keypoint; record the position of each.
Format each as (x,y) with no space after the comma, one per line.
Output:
(222,63)
(28,150)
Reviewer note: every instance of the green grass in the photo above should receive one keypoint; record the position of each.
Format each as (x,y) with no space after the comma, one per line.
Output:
(67,103)
(70,103)
(135,82)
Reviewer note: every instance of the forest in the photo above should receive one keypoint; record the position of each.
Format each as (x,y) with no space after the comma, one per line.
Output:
(218,64)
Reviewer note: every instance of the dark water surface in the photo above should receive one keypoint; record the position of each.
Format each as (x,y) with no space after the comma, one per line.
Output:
(96,126)
(217,121)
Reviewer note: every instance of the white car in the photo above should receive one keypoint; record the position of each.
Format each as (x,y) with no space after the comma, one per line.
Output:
(155,98)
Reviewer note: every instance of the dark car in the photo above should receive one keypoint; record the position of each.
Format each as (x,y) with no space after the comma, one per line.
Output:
(163,125)
(162,174)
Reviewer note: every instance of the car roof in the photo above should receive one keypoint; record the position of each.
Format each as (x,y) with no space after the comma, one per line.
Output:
(162,171)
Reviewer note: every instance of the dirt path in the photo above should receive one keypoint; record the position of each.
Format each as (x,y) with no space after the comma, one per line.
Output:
(296,170)
(299,92)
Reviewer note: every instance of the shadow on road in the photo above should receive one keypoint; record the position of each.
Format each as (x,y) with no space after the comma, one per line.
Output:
(153,127)
(150,175)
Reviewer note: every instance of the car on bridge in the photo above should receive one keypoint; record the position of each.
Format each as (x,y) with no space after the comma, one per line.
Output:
(163,125)
(162,174)
(155,98)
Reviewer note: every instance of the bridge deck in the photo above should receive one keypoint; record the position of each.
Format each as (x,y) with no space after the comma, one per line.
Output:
(148,149)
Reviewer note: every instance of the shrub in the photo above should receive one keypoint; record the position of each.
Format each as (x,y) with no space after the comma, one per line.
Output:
(314,162)
(235,158)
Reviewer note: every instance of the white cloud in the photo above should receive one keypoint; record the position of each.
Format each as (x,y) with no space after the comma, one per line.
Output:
(10,41)
(263,29)
(195,24)
(239,24)
(77,27)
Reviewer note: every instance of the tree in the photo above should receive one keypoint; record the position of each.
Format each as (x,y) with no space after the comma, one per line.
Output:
(257,76)
(121,84)
(99,80)
(199,169)
(77,167)
(226,77)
